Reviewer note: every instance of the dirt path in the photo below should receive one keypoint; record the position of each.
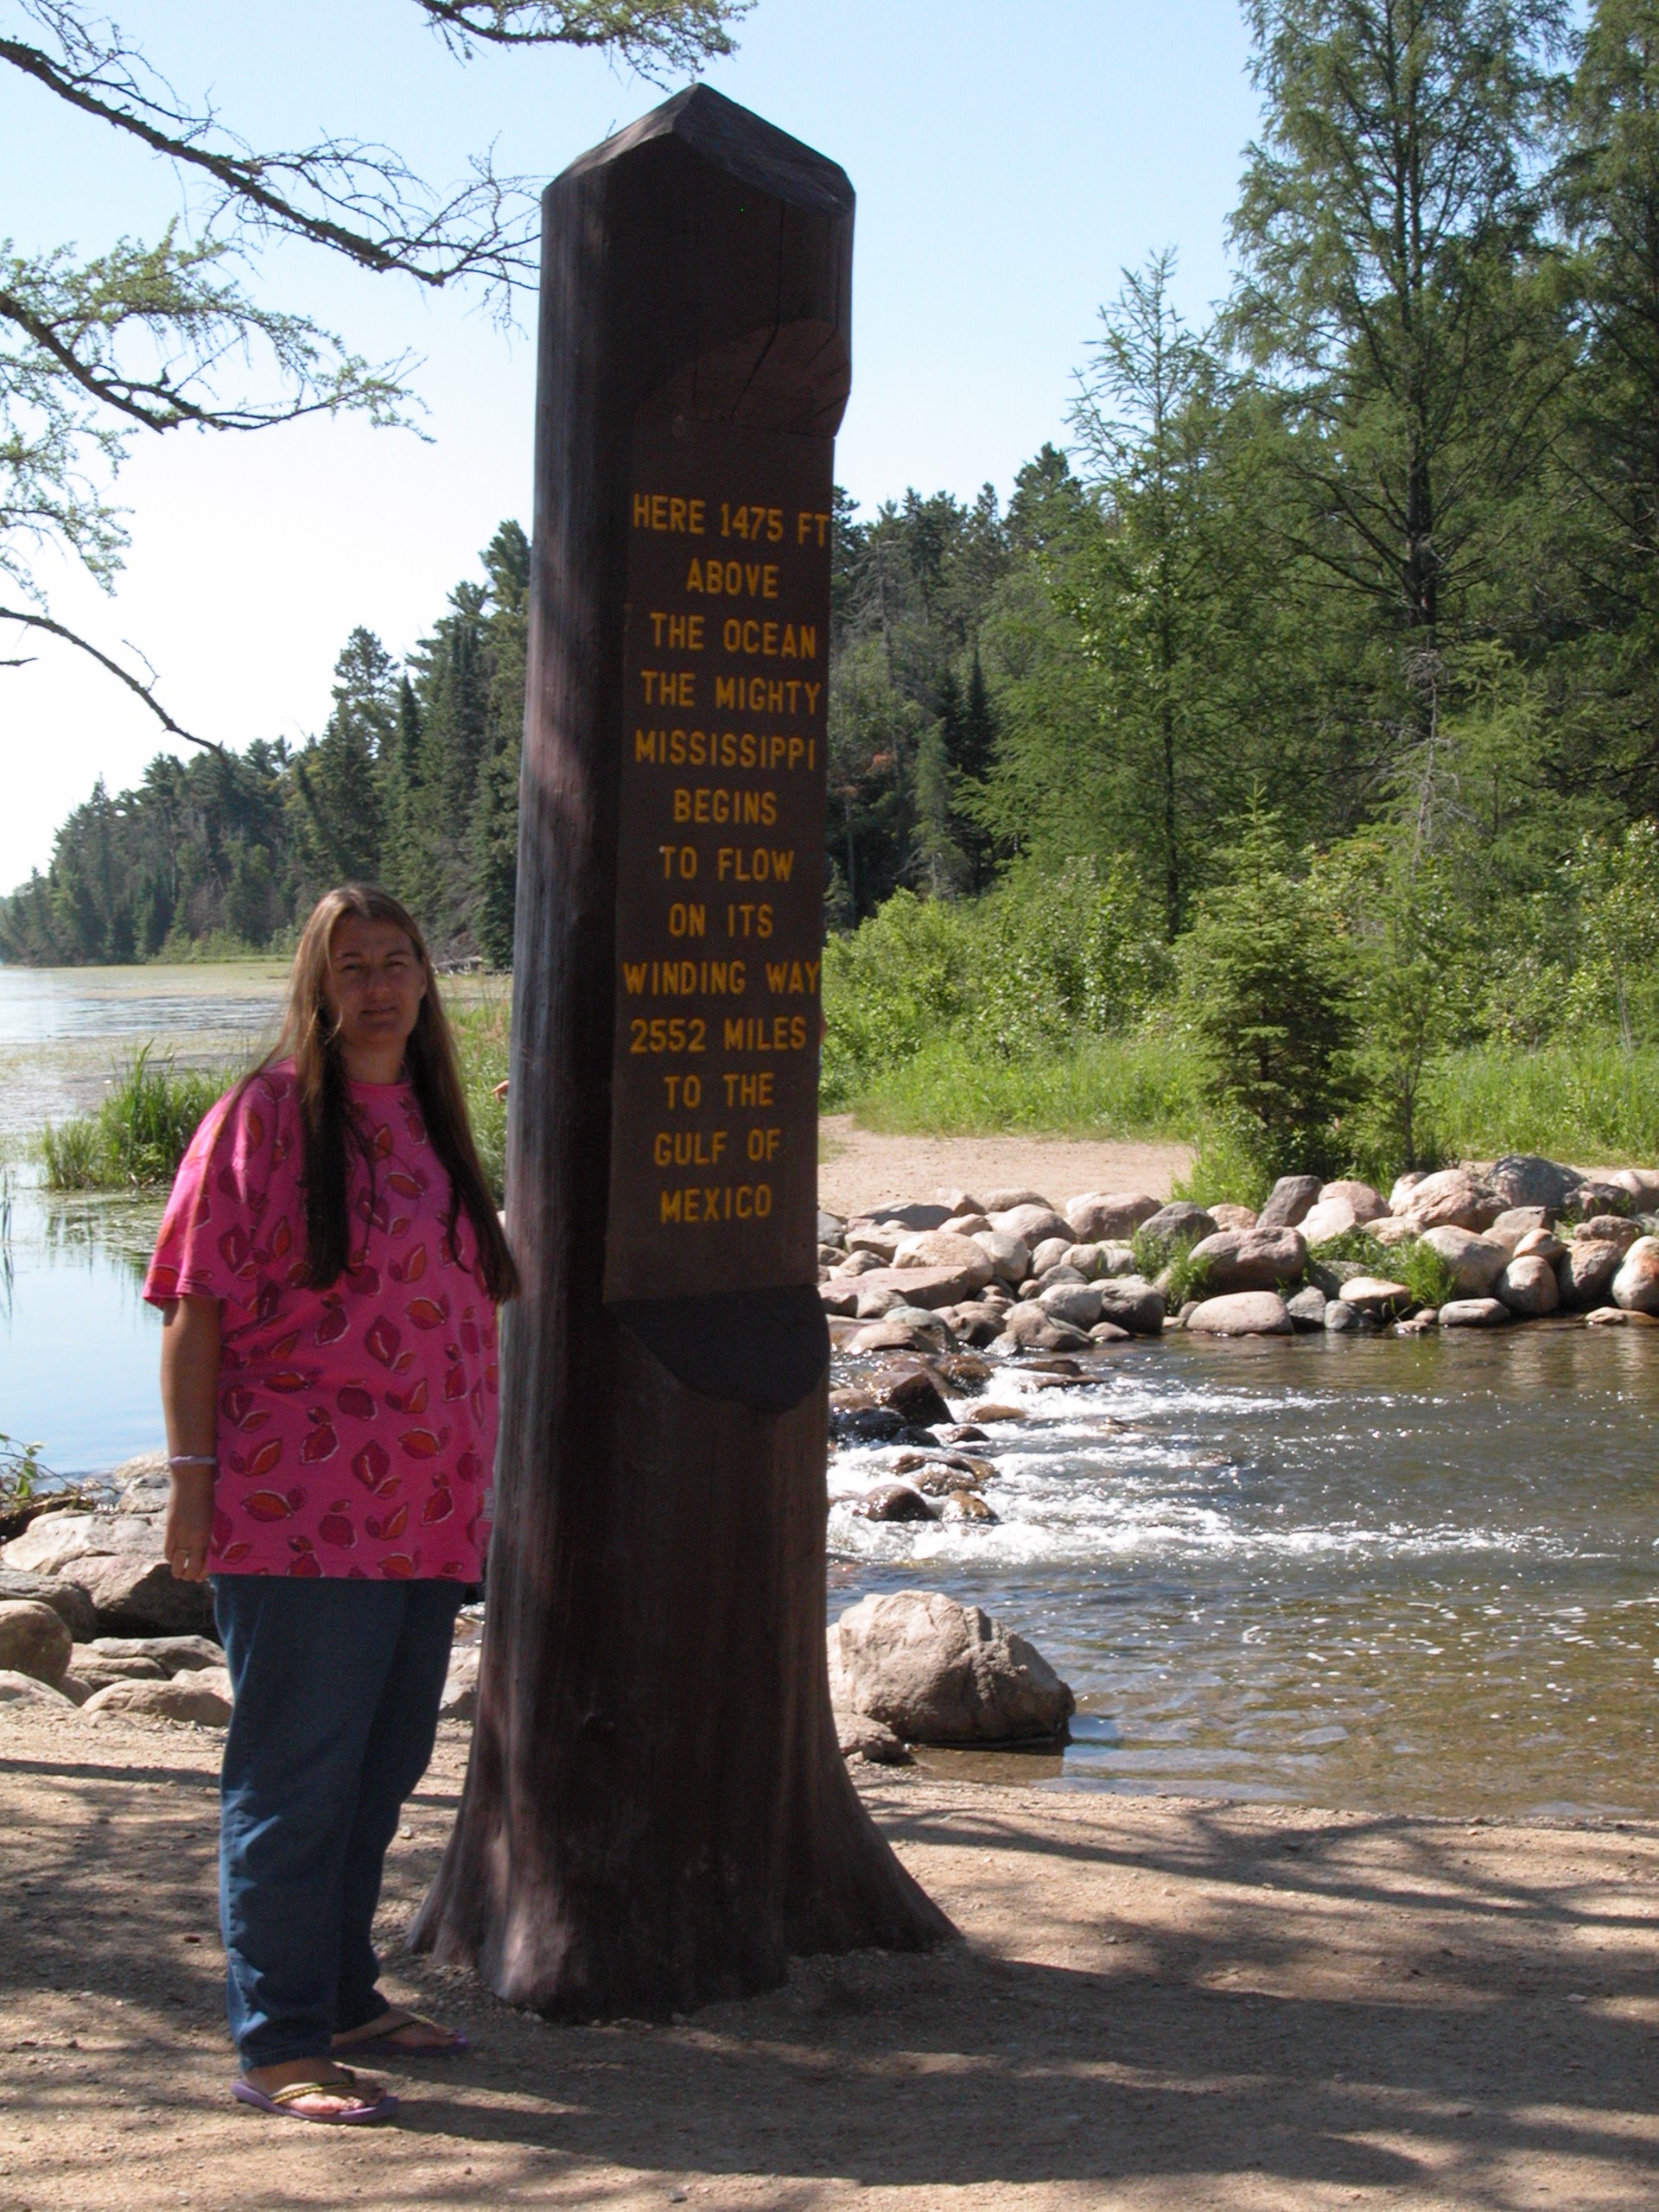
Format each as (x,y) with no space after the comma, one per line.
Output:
(1157,2003)
(860,1168)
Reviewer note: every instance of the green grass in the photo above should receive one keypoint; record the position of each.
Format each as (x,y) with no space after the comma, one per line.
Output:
(1111,1087)
(1590,1102)
(139,1136)
(481,1033)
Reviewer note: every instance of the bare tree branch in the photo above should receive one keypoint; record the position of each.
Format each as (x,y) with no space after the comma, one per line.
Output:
(144,691)
(682,33)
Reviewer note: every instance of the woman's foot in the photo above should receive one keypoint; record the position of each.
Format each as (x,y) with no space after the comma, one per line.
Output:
(331,2092)
(398,2029)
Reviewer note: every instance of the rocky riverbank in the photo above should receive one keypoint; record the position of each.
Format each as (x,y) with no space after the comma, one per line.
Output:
(1012,1271)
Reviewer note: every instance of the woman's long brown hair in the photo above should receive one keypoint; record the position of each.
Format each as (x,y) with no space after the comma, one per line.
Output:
(311,1040)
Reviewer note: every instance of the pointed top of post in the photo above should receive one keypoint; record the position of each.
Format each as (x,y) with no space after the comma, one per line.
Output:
(740,142)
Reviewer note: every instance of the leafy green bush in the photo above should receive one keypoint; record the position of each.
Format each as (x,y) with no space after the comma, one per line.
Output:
(1268,985)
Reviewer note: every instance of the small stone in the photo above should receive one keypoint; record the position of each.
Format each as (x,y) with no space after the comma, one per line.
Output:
(1226,1216)
(1474,1314)
(1539,1244)
(1516,1222)
(1375,1298)
(459,1699)
(1108,1333)
(968,1505)
(860,1737)
(989,1412)
(1245,1314)
(1615,1317)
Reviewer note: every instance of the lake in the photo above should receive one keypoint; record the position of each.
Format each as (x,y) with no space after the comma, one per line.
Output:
(1416,1575)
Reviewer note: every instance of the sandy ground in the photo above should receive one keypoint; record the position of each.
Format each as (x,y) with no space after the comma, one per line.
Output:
(1156,2004)
(859,1168)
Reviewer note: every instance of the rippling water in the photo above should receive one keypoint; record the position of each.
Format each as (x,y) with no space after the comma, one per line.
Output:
(1376,1573)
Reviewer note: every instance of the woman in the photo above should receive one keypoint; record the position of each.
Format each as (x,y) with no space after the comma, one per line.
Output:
(327,1270)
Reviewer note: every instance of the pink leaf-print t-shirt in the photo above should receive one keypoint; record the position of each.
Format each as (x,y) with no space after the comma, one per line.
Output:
(356,1424)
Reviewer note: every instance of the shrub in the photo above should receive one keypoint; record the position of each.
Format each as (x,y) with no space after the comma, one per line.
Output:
(139,1135)
(1268,984)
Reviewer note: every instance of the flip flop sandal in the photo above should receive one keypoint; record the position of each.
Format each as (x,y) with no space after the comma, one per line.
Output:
(387,2046)
(281,2101)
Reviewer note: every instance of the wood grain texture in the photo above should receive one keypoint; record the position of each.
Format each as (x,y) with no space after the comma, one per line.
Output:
(656,1812)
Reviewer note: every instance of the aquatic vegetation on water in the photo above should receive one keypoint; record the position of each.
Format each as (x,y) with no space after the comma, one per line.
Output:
(139,1135)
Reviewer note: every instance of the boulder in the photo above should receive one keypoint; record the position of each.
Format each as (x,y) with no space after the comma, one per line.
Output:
(1585,1272)
(1226,1216)
(1108,1332)
(866,1425)
(1400,1196)
(968,1505)
(1031,1225)
(909,1218)
(831,1227)
(1607,1229)
(1288,1202)
(1593,1197)
(34,1641)
(459,1699)
(927,1286)
(203,1698)
(880,1240)
(859,1263)
(17,1689)
(1374,1298)
(1615,1317)
(1541,1244)
(1340,1318)
(911,1388)
(958,1203)
(1329,1276)
(858,1736)
(906,1329)
(838,1298)
(1010,1256)
(1528,1287)
(1245,1314)
(89,1671)
(1249,1259)
(54,1541)
(1642,1183)
(938,1248)
(1476,1261)
(1392,1230)
(890,1502)
(997,1201)
(1474,1314)
(937,1672)
(1076,1302)
(1054,1252)
(1132,1303)
(67,1599)
(1516,1222)
(1635,1287)
(1028,1328)
(1525,1179)
(1307,1308)
(1175,1225)
(1369,1205)
(1324,1223)
(1453,1197)
(141,1597)
(1111,1215)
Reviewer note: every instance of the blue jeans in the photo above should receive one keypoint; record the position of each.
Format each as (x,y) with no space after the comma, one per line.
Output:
(337,1687)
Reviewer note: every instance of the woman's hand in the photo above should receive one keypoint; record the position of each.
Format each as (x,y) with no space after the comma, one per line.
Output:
(190,1400)
(189,1523)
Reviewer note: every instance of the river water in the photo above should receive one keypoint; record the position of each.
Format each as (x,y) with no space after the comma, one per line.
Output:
(1417,1575)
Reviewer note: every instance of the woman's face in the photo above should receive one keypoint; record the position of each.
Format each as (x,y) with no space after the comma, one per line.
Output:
(373,989)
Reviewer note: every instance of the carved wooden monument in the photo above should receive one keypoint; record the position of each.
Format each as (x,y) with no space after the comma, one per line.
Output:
(656,1812)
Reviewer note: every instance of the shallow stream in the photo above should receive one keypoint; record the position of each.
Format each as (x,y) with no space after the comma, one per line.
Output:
(1418,1575)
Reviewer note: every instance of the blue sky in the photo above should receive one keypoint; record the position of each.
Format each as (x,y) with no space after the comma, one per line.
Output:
(1010,157)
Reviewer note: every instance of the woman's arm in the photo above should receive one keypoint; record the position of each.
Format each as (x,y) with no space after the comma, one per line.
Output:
(190,1401)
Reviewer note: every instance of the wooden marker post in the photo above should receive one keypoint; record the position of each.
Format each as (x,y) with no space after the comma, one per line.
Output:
(656,1812)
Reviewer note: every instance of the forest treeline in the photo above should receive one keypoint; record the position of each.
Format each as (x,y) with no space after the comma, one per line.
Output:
(1361,577)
